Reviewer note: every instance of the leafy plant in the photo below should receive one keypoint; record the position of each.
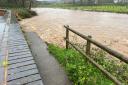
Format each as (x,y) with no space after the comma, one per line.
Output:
(23,13)
(78,68)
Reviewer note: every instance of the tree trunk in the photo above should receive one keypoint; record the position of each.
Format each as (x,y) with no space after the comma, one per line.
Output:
(74,2)
(23,3)
(30,4)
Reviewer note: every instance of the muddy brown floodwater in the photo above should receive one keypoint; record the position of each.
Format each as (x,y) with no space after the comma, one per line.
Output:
(111,29)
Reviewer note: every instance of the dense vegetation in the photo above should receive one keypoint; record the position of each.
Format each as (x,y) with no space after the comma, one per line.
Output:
(82,72)
(103,8)
(16,3)
(21,8)
(22,13)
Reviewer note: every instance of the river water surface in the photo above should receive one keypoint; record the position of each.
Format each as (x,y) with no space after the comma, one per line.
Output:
(111,29)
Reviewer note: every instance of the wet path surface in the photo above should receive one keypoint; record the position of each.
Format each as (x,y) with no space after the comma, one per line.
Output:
(50,70)
(2,27)
(3,45)
(110,29)
(17,65)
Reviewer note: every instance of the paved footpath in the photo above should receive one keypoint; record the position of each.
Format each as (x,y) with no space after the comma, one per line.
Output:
(50,70)
(17,63)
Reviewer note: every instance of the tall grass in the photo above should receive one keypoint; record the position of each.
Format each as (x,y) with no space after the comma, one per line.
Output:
(22,13)
(79,70)
(82,72)
(19,10)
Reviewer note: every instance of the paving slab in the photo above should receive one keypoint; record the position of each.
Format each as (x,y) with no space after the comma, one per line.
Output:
(25,80)
(22,74)
(12,66)
(39,82)
(19,57)
(20,60)
(20,69)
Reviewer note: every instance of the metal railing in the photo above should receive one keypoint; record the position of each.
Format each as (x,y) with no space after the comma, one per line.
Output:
(88,49)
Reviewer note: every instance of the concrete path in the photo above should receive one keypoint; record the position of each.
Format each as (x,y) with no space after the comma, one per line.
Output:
(50,70)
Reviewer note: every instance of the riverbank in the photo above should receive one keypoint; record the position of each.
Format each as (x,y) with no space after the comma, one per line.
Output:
(98,8)
(23,13)
(82,72)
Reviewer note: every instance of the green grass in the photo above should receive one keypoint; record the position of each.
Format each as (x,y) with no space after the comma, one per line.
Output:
(20,11)
(102,8)
(79,70)
(23,13)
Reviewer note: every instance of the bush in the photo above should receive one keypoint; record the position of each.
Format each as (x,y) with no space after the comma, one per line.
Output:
(33,13)
(23,13)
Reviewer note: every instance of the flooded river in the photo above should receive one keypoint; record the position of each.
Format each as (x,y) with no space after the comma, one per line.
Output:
(111,29)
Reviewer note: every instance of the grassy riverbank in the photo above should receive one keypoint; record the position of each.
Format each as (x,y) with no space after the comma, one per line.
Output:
(79,70)
(101,8)
(82,72)
(22,13)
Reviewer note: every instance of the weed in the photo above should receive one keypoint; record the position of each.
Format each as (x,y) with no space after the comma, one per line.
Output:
(78,68)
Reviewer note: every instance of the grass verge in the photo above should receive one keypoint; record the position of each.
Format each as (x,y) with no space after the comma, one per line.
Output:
(79,70)
(101,8)
(22,13)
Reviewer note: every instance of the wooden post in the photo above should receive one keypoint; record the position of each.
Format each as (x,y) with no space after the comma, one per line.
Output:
(88,47)
(67,37)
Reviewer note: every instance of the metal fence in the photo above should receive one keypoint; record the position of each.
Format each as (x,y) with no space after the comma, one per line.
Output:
(88,49)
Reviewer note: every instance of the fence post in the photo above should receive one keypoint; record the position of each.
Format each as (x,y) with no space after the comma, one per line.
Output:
(88,46)
(67,37)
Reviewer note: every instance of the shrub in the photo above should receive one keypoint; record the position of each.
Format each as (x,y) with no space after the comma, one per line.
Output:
(23,13)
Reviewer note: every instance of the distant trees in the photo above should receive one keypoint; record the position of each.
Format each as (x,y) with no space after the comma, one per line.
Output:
(17,3)
(122,1)
(100,1)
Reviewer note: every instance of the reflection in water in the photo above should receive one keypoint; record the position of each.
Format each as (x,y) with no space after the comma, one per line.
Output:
(108,28)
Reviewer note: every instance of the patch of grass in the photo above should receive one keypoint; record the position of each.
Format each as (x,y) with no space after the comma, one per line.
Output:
(22,13)
(78,68)
(103,8)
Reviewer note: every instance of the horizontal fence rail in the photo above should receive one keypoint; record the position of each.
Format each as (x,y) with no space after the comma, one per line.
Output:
(88,48)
